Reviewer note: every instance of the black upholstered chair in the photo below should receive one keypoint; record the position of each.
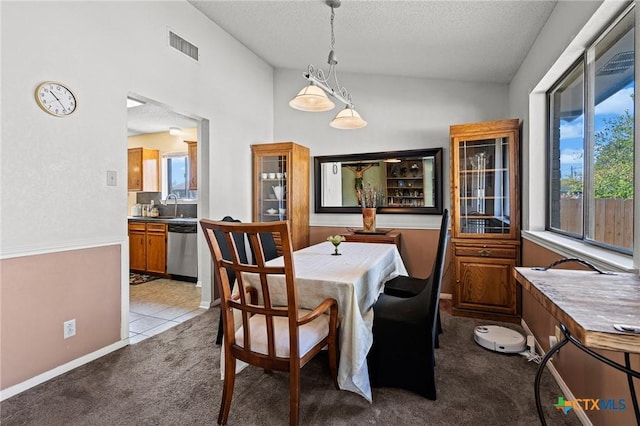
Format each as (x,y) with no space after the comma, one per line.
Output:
(405,331)
(406,286)
(268,246)
(226,254)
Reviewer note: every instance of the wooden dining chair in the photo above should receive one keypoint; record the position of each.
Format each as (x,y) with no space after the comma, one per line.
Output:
(269,247)
(408,286)
(226,254)
(405,331)
(266,335)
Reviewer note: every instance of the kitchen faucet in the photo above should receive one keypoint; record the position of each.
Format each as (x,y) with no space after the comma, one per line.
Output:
(175,205)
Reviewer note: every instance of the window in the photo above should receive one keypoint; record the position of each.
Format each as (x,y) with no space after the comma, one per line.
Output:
(591,142)
(177,176)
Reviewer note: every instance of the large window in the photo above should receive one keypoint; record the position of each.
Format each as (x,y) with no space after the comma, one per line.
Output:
(591,149)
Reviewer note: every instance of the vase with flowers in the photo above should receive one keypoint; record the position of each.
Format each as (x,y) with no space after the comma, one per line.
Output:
(369,196)
(336,240)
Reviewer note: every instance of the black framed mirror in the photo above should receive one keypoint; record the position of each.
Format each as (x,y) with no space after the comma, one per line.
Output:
(404,181)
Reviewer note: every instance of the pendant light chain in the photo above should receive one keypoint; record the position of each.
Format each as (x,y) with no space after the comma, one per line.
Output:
(333,61)
(333,37)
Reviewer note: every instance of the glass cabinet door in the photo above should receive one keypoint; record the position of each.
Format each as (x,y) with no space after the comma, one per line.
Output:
(484,187)
(272,187)
(281,188)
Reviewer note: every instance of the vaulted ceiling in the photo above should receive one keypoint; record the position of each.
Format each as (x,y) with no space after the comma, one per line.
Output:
(478,41)
(484,41)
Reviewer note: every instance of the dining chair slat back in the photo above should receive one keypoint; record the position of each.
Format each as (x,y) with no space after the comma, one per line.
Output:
(226,254)
(260,328)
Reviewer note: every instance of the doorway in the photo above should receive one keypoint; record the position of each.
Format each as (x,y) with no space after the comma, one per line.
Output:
(159,301)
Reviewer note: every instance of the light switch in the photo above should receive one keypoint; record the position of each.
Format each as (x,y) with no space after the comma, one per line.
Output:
(112,178)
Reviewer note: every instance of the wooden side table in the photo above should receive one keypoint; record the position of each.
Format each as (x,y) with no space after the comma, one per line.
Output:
(391,237)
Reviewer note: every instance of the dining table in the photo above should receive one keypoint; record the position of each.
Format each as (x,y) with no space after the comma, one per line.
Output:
(354,278)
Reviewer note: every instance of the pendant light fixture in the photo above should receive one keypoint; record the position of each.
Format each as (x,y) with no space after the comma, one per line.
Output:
(314,97)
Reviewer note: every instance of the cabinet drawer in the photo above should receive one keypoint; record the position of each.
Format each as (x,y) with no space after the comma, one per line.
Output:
(486,251)
(136,226)
(156,227)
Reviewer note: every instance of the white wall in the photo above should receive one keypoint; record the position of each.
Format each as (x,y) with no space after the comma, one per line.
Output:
(402,113)
(54,195)
(565,22)
(54,189)
(571,28)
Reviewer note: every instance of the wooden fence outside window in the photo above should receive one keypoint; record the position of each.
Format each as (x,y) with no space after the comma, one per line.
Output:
(613,220)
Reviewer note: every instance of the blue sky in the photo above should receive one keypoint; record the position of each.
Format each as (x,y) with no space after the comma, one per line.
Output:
(571,132)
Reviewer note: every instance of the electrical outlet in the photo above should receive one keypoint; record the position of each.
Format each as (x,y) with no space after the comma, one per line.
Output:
(69,328)
(559,335)
(531,344)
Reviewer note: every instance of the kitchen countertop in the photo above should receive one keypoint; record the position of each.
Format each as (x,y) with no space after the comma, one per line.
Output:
(163,219)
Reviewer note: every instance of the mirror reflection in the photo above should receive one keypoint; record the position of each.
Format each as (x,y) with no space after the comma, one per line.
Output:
(396,182)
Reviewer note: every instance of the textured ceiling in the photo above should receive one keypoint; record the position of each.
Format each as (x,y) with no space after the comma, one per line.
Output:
(152,118)
(484,41)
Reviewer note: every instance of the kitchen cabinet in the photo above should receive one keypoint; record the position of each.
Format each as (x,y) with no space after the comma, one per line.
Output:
(485,211)
(143,169)
(192,159)
(148,247)
(137,247)
(281,188)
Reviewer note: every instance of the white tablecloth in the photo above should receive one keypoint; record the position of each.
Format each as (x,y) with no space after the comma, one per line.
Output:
(354,279)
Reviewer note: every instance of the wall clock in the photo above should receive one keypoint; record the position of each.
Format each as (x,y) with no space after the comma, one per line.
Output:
(56,99)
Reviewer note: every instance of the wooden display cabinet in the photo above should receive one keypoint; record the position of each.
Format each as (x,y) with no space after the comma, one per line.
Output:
(148,247)
(281,187)
(485,210)
(143,170)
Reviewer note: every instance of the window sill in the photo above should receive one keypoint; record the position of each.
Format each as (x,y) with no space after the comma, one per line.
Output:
(603,259)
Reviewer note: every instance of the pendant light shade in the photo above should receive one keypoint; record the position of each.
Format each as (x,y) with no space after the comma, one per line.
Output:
(311,98)
(314,97)
(347,119)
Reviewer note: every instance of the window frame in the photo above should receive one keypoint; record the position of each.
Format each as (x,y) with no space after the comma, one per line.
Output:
(586,61)
(167,158)
(549,169)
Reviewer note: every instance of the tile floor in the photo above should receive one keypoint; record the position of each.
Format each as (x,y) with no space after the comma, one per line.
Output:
(159,305)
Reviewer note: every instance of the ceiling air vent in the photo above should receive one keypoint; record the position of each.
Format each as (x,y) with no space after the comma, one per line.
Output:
(182,45)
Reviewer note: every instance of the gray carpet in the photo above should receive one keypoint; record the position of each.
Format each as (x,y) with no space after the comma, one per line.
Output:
(173,378)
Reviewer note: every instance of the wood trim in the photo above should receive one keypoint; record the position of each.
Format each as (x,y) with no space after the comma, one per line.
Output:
(588,304)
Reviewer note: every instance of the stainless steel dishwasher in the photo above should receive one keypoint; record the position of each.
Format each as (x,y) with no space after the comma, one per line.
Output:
(182,251)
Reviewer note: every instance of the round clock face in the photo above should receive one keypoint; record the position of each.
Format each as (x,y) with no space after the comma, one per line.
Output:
(56,99)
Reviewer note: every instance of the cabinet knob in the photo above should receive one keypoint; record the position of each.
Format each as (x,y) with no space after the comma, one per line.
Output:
(484,253)
(457,281)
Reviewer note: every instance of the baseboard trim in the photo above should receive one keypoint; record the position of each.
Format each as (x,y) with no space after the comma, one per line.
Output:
(48,375)
(584,419)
